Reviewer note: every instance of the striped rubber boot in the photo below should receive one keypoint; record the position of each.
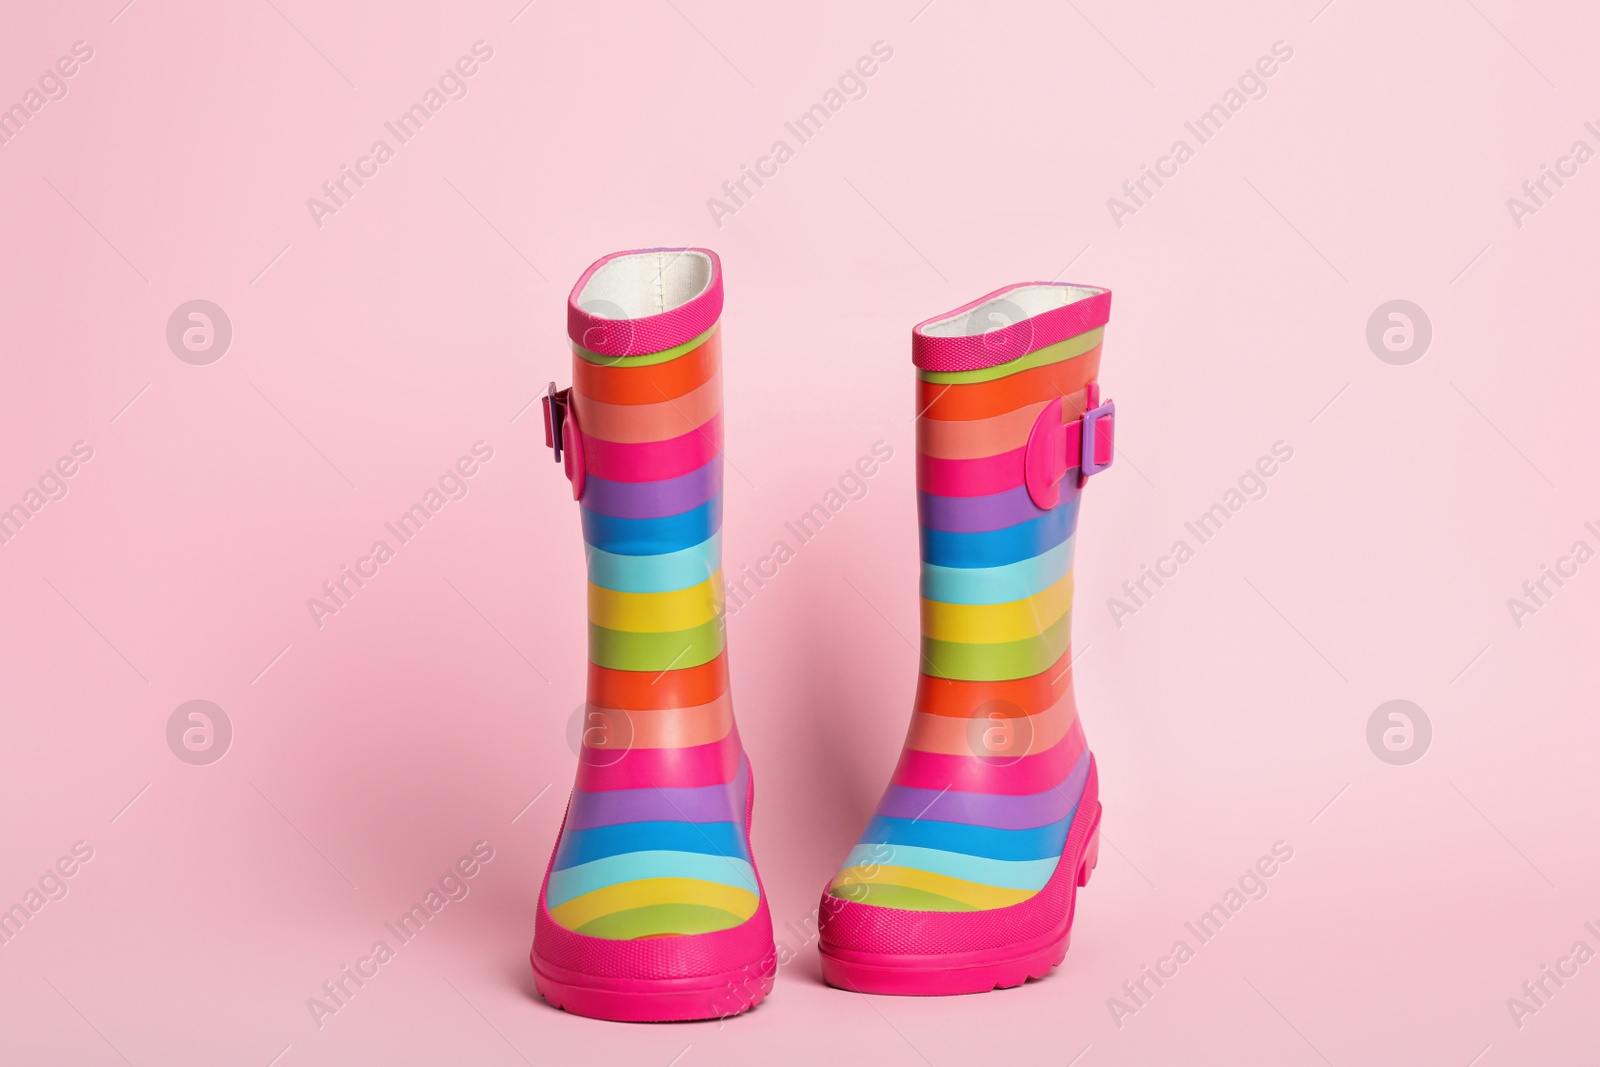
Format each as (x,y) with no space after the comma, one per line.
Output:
(651,909)
(966,877)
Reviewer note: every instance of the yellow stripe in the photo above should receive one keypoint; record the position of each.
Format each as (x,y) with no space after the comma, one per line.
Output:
(994,623)
(650,891)
(959,889)
(641,613)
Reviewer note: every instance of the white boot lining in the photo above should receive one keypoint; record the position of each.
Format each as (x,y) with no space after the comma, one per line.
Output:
(1003,310)
(641,284)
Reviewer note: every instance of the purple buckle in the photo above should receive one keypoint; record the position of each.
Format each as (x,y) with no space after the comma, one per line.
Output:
(1088,464)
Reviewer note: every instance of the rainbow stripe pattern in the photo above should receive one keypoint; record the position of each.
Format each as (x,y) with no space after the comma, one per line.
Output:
(654,842)
(978,810)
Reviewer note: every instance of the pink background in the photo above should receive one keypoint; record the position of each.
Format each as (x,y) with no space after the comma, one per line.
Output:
(368,354)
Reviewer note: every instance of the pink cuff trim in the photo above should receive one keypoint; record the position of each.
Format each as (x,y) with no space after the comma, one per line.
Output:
(1002,345)
(651,333)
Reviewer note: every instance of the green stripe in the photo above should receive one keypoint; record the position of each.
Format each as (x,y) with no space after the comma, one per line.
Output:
(648,359)
(1059,352)
(622,650)
(656,920)
(998,661)
(902,897)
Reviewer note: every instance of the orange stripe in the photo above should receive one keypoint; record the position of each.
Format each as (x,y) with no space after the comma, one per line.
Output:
(644,423)
(985,400)
(1017,696)
(612,728)
(649,690)
(994,732)
(649,384)
(982,438)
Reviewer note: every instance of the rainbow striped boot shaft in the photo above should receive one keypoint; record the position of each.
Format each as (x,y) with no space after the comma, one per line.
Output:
(651,909)
(966,877)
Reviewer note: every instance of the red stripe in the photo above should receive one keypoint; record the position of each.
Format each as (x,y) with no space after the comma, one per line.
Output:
(654,461)
(970,477)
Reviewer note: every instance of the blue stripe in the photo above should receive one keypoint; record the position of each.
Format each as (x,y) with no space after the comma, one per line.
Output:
(1002,874)
(656,574)
(998,548)
(709,838)
(996,585)
(612,870)
(652,537)
(1038,843)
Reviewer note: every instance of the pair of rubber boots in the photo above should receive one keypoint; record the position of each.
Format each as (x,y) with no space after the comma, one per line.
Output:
(965,879)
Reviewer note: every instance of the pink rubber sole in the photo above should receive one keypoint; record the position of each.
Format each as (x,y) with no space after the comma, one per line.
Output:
(656,1000)
(955,973)
(653,987)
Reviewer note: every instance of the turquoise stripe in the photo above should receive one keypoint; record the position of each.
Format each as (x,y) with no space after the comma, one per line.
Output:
(574,882)
(1002,874)
(656,574)
(997,585)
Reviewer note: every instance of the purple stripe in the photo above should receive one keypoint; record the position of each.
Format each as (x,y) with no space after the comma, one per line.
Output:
(996,811)
(980,514)
(652,500)
(615,807)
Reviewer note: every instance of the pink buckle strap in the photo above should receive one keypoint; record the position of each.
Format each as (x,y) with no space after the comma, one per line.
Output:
(562,436)
(1054,447)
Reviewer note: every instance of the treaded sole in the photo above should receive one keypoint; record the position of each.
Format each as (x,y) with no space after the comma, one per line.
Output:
(634,1000)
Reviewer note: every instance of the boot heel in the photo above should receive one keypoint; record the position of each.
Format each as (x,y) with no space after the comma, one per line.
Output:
(1091,859)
